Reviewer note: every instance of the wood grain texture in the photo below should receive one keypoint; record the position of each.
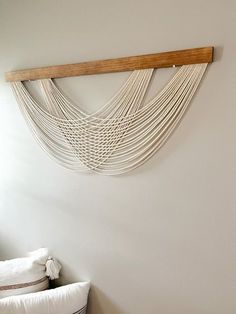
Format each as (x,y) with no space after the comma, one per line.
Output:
(156,60)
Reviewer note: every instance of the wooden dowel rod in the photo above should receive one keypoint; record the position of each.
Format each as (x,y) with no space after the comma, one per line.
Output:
(156,60)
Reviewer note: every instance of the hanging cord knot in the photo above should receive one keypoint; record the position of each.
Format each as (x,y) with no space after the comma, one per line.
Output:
(52,268)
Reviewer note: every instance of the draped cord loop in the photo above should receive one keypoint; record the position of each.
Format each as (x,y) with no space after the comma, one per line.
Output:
(118,137)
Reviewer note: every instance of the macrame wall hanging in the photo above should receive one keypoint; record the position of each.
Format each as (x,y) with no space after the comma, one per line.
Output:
(125,132)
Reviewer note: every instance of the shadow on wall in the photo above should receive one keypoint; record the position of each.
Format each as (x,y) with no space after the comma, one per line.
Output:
(218,53)
(7,246)
(98,301)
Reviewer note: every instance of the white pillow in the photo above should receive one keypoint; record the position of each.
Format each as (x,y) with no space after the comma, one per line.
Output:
(70,299)
(26,274)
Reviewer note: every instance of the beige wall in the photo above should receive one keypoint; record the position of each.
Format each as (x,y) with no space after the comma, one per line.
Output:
(160,239)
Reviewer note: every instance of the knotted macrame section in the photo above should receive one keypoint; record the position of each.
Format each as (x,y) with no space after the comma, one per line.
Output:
(120,136)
